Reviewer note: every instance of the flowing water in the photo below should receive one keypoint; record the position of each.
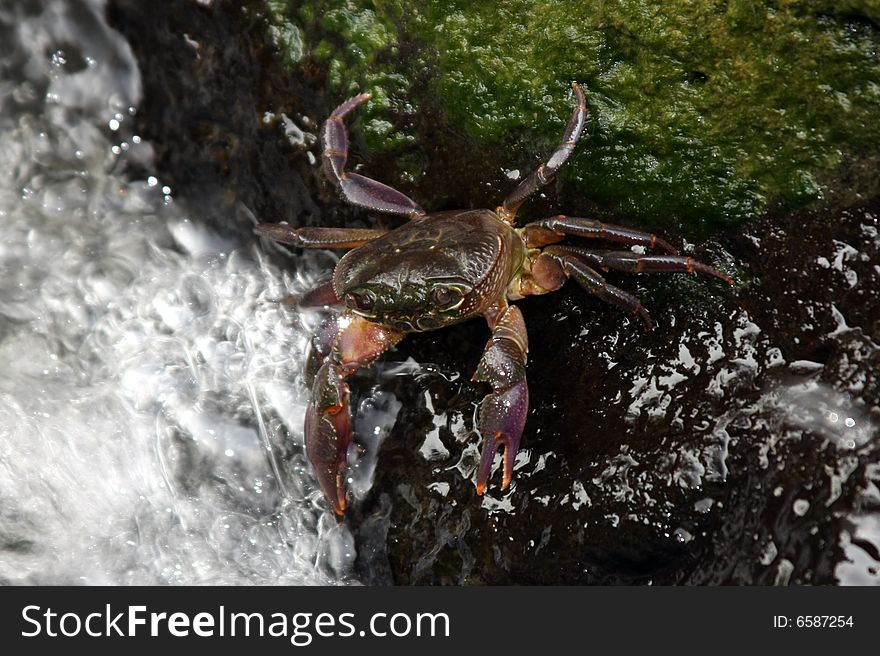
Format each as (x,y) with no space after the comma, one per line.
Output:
(139,350)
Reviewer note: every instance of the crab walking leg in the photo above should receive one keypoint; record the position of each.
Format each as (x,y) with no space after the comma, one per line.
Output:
(321,296)
(630,262)
(554,229)
(503,411)
(573,266)
(318,237)
(546,172)
(358,189)
(341,346)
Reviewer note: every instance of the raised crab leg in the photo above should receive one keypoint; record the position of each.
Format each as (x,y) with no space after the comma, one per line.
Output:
(327,238)
(555,228)
(630,262)
(545,172)
(341,346)
(358,189)
(503,411)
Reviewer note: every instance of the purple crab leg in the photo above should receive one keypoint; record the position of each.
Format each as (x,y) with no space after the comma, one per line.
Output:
(546,172)
(555,228)
(503,411)
(630,262)
(341,346)
(318,237)
(560,265)
(358,189)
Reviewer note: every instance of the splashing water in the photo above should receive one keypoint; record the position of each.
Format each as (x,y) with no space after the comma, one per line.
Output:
(150,374)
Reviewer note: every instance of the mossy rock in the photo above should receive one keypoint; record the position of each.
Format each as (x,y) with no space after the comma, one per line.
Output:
(703,114)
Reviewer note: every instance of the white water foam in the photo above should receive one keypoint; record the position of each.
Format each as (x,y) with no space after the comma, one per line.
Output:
(150,403)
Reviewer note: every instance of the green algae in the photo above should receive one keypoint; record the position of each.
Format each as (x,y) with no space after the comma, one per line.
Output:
(355,41)
(701,113)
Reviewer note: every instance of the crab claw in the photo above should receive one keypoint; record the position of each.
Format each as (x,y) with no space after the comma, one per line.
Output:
(503,411)
(502,418)
(328,432)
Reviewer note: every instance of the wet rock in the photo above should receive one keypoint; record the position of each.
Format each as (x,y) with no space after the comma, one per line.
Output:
(685,455)
(232,128)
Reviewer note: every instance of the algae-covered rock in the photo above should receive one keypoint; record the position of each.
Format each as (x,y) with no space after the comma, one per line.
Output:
(704,113)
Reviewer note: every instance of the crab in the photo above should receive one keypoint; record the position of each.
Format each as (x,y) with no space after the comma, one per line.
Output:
(442,268)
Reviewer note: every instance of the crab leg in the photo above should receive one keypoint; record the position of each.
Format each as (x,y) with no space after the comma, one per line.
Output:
(630,262)
(321,296)
(503,411)
(574,266)
(318,237)
(341,346)
(320,347)
(555,228)
(358,189)
(545,172)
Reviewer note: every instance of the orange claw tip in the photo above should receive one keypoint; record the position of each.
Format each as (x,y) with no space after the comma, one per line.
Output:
(339,506)
(481,487)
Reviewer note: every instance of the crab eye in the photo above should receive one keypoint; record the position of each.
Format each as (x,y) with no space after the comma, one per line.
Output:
(446,298)
(360,300)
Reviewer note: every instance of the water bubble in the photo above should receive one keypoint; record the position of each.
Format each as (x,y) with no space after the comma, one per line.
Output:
(682,536)
(800,507)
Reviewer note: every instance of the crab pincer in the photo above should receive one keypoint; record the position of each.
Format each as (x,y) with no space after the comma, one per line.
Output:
(342,345)
(328,432)
(503,411)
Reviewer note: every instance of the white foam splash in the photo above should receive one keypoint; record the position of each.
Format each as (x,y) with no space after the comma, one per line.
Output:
(149,371)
